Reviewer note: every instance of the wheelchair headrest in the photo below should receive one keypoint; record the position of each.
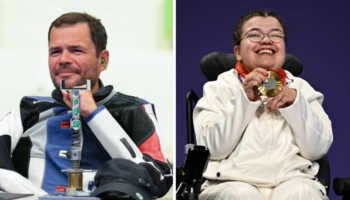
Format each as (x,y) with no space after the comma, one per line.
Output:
(215,63)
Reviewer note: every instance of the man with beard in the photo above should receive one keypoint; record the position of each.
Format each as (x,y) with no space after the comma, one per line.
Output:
(35,137)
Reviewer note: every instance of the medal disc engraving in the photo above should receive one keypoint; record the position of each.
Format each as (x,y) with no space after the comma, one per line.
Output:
(273,85)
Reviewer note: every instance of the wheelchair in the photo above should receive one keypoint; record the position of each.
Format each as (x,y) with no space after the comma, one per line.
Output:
(197,157)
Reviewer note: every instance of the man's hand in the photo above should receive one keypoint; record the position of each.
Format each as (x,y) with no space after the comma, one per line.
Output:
(87,102)
(283,99)
(252,81)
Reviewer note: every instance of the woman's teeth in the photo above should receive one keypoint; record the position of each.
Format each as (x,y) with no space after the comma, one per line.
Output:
(265,51)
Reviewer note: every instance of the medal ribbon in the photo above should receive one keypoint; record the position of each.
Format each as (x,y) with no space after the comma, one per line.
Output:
(243,72)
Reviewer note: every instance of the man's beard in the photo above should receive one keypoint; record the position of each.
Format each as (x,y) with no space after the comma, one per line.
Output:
(78,82)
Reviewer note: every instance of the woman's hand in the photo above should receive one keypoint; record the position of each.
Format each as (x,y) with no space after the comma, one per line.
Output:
(283,99)
(252,81)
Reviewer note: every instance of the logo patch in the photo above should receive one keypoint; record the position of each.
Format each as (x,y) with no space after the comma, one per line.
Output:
(61,188)
(35,102)
(65,124)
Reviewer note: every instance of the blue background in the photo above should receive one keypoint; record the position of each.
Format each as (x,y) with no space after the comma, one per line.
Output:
(318,34)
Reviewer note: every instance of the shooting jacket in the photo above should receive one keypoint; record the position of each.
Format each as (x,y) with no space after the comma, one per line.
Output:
(37,135)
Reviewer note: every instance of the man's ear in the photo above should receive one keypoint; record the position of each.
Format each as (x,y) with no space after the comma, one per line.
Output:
(237,53)
(105,56)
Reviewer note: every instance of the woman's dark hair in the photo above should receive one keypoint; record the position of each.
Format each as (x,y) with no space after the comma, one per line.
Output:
(97,30)
(255,13)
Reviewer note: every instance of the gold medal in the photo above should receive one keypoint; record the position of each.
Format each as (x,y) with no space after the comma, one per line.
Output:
(273,85)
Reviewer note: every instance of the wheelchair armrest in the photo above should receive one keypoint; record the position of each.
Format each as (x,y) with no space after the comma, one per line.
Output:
(191,97)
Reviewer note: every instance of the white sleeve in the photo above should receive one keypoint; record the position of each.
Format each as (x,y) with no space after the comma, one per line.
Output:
(118,144)
(112,136)
(311,126)
(11,125)
(221,116)
(11,181)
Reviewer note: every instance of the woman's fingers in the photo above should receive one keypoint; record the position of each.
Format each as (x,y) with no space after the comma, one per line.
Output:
(278,99)
(283,99)
(252,81)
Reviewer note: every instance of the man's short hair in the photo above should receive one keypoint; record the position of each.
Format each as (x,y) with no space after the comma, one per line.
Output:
(97,30)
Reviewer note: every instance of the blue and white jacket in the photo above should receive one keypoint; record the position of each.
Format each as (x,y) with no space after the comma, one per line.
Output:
(35,137)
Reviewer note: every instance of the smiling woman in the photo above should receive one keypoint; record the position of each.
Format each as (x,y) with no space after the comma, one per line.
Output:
(261,52)
(262,147)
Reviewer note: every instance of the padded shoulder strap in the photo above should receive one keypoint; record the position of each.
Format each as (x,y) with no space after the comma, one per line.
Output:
(31,109)
(128,97)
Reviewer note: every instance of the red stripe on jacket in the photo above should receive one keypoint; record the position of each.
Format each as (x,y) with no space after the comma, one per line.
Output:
(152,147)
